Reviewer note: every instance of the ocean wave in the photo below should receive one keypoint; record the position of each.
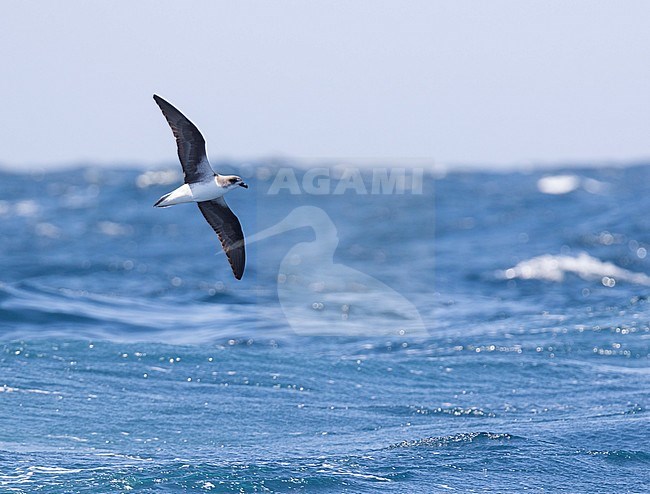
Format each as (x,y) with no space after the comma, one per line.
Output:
(40,311)
(621,455)
(454,439)
(550,267)
(452,411)
(564,184)
(192,381)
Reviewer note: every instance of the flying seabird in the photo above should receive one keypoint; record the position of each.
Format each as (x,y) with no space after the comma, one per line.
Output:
(204,186)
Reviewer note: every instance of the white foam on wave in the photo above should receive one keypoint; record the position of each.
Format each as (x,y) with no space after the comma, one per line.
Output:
(157,177)
(9,389)
(563,184)
(53,470)
(555,267)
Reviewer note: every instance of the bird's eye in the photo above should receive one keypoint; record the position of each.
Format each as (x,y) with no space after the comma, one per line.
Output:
(233,180)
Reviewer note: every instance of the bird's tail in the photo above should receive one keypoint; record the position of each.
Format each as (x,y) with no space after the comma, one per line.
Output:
(161,200)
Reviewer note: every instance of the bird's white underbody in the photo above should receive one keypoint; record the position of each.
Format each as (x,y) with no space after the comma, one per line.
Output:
(197,192)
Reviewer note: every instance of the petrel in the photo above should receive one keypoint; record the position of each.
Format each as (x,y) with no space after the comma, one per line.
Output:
(204,186)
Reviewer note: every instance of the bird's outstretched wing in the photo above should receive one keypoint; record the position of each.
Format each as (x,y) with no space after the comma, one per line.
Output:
(190,142)
(225,223)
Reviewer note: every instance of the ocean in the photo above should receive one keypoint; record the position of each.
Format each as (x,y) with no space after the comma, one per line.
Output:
(396,330)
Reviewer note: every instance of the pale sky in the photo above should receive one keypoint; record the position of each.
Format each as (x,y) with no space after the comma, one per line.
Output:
(496,82)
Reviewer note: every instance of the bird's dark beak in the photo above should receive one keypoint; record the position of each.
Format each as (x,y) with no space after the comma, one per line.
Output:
(242,184)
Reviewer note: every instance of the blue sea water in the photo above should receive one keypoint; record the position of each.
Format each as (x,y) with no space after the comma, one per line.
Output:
(476,332)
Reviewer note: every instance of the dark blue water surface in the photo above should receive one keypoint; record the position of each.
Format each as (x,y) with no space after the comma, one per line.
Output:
(467,332)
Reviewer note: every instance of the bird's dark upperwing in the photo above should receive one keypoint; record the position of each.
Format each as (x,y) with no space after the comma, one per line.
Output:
(190,142)
(228,228)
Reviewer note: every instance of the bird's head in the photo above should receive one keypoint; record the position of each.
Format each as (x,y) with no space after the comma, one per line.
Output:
(234,181)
